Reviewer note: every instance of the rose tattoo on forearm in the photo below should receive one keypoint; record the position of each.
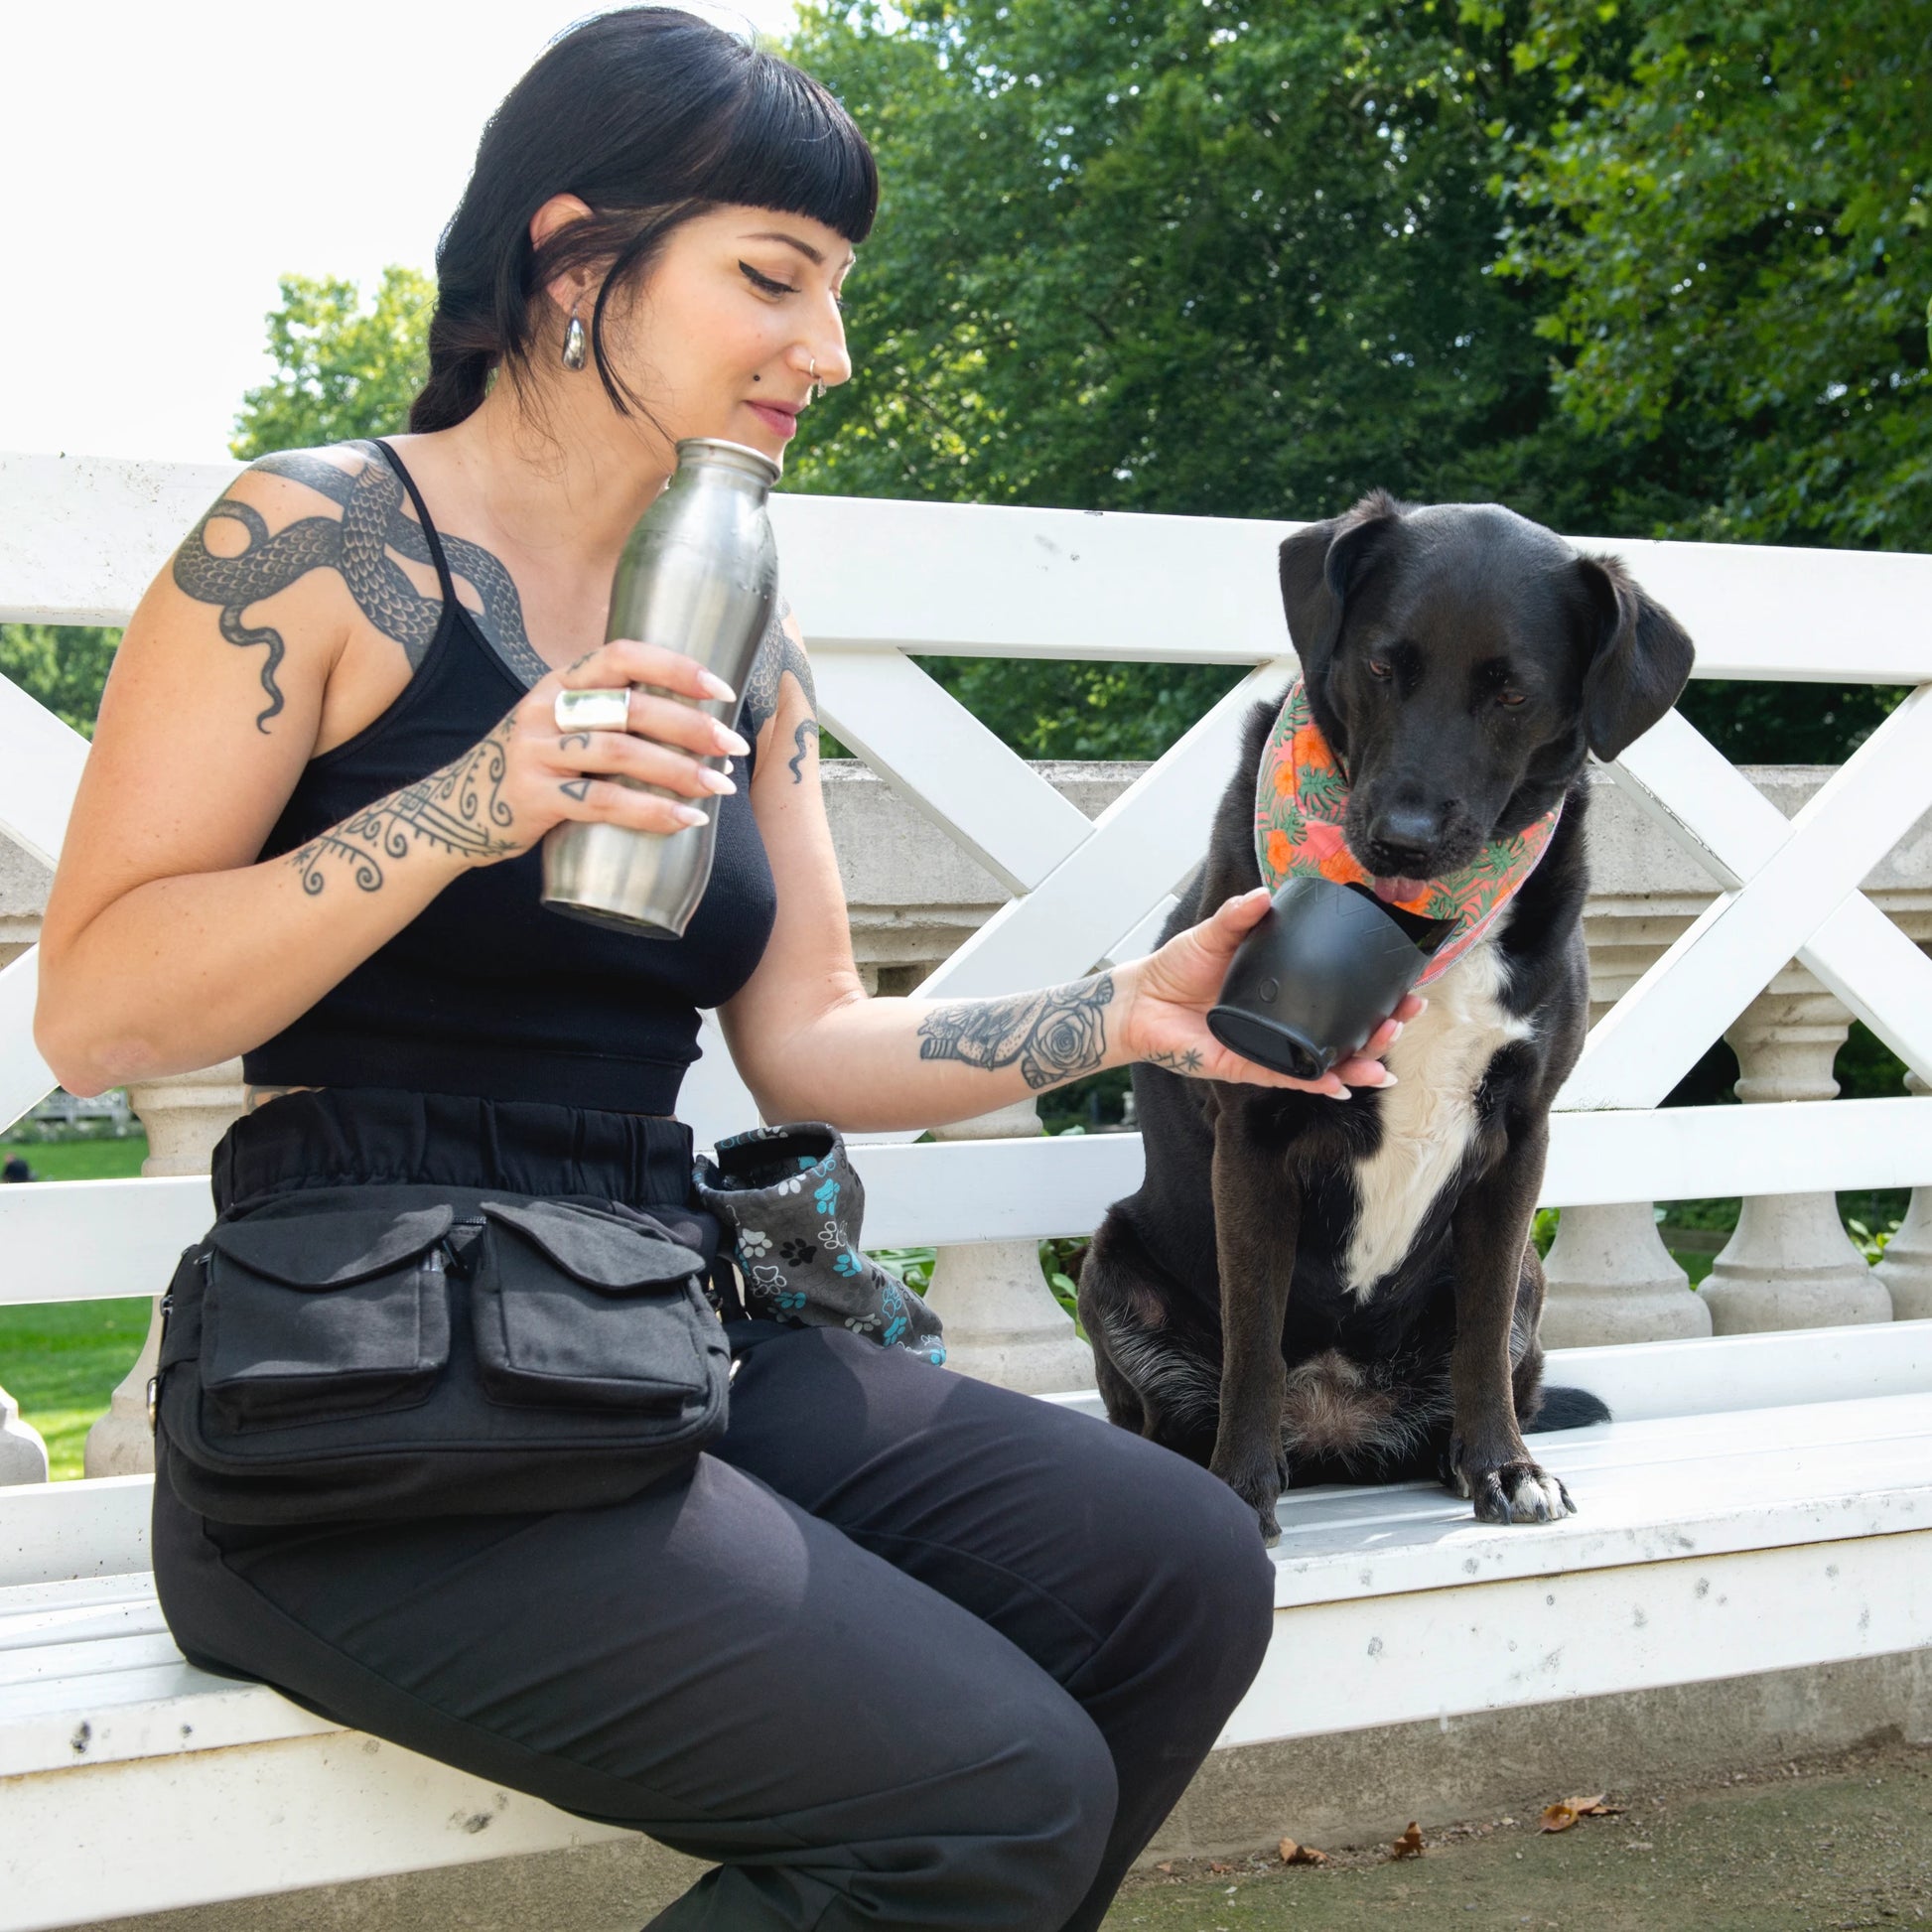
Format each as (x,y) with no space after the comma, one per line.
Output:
(1055,1036)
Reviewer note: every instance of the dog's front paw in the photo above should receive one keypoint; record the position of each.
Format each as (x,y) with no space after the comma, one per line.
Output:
(1514,1492)
(1259,1483)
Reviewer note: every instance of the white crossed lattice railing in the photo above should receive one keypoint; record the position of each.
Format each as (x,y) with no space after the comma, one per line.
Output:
(879,582)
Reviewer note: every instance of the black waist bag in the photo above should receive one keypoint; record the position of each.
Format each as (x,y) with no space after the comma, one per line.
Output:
(368,1352)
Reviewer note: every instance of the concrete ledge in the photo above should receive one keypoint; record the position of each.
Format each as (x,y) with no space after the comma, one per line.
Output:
(1341,1789)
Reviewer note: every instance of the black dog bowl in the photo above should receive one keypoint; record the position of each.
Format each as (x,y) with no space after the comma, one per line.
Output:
(1320,972)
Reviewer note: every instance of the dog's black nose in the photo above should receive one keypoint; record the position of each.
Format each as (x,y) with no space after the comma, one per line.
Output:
(1403,841)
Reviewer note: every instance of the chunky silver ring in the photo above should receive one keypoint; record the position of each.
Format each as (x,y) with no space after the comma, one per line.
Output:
(592,710)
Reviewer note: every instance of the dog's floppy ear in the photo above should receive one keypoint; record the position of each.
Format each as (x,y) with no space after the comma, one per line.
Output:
(1640,663)
(1321,565)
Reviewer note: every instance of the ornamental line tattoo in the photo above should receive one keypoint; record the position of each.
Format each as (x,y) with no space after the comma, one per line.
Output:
(458,809)
(778,654)
(1055,1036)
(357,545)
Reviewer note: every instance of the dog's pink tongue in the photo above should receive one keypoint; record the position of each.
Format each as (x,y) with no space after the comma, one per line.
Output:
(1397,891)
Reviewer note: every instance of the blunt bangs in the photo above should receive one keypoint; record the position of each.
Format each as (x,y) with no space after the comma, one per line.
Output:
(791,148)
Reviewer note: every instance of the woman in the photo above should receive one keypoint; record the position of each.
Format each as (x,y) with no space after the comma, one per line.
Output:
(902,1649)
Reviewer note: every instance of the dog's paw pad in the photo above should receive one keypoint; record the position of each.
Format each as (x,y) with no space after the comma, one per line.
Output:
(1521,1492)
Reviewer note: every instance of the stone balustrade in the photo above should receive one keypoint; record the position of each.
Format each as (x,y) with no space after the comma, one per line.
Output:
(23,896)
(913,896)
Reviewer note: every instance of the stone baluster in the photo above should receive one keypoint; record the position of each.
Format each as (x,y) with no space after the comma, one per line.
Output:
(1906,1269)
(23,1452)
(185,1114)
(1790,1264)
(1002,1321)
(1610,1277)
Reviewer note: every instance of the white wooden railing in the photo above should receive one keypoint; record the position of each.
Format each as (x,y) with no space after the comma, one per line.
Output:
(80,539)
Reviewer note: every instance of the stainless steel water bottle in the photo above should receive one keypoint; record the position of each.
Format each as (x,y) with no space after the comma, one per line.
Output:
(699,575)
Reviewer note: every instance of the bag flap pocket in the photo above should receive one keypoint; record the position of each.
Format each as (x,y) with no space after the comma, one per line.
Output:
(600,1250)
(324,1312)
(336,1249)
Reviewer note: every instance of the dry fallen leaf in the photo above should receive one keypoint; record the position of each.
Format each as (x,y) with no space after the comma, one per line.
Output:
(1409,1845)
(1167,1866)
(1565,1813)
(1292,1854)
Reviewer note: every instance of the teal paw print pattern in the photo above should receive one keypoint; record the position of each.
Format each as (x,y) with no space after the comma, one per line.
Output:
(793,1207)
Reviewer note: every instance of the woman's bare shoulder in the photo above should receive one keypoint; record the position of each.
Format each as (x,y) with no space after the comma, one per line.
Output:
(275,552)
(779,690)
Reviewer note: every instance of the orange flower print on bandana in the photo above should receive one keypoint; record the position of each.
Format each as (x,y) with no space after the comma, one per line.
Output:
(1300,796)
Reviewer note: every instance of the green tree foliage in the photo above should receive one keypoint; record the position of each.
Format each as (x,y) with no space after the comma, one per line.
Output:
(1207,257)
(65,666)
(1730,232)
(342,371)
(1734,229)
(1203,258)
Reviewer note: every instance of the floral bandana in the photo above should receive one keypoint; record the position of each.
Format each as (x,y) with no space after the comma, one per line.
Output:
(1300,793)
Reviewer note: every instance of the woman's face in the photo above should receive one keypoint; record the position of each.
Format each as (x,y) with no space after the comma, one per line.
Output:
(722,335)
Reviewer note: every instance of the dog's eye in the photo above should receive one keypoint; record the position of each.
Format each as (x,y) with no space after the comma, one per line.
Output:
(1378,669)
(1510,698)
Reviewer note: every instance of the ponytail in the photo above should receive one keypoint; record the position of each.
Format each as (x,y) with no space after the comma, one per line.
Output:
(458,377)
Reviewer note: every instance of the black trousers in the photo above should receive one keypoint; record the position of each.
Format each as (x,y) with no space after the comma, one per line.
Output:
(901,1650)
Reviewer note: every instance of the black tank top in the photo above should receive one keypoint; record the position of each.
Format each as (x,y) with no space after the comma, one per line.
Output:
(485,992)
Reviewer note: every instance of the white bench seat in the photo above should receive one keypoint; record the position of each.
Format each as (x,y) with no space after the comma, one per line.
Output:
(1707,1545)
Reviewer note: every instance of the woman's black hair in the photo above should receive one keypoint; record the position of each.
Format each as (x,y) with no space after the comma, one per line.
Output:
(651,117)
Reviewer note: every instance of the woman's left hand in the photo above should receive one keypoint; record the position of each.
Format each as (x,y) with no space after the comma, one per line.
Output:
(1169,992)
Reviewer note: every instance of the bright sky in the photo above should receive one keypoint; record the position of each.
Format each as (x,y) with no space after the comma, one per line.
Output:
(164,161)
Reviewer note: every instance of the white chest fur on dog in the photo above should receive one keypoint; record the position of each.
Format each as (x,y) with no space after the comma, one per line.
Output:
(1427,1120)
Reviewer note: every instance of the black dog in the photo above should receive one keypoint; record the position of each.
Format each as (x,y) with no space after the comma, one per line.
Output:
(1346,1291)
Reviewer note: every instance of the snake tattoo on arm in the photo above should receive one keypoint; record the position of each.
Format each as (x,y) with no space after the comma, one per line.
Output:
(778,654)
(1055,1036)
(357,545)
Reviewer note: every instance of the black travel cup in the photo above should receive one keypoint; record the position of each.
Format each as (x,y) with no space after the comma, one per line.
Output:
(1320,972)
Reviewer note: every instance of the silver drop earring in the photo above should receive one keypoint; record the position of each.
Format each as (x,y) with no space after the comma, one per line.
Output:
(575,343)
(818,388)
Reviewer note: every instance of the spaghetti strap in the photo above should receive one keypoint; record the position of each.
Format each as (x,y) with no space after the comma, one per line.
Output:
(441,563)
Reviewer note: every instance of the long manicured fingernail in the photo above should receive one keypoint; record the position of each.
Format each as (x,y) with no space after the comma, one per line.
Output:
(1389,1080)
(731,741)
(716,687)
(1396,1034)
(689,814)
(715,781)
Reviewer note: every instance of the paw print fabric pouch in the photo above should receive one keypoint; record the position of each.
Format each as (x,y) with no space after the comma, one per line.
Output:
(791,1208)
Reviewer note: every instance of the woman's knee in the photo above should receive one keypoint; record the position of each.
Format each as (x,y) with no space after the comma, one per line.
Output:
(1199,1563)
(1052,1820)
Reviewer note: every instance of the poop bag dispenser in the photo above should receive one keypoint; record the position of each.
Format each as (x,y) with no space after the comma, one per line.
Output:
(1337,952)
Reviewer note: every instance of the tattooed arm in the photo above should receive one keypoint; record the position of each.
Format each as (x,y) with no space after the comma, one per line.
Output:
(771,701)
(886,1063)
(168,944)
(812,1044)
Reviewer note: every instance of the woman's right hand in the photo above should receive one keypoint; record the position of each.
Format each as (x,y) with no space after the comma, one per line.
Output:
(550,774)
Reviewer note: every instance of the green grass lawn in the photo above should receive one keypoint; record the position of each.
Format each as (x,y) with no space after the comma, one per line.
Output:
(102,1160)
(61,1360)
